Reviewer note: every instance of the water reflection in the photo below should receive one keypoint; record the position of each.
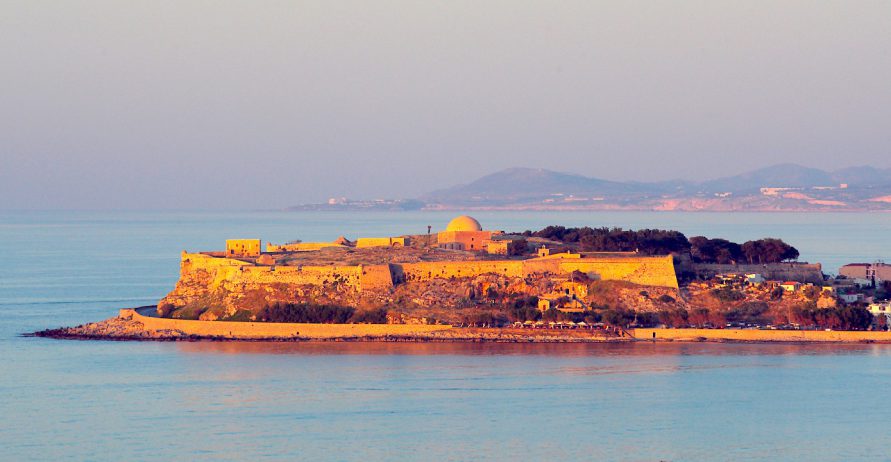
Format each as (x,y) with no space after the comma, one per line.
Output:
(538,349)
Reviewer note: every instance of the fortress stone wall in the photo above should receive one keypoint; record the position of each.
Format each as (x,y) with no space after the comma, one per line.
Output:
(654,271)
(650,271)
(203,276)
(376,278)
(426,271)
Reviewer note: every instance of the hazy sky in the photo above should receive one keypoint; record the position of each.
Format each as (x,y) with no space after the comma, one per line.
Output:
(261,104)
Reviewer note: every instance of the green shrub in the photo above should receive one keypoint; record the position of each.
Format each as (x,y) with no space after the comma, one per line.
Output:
(304,312)
(375,316)
(726,294)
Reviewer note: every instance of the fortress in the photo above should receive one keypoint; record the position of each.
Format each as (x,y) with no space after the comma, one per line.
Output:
(374,271)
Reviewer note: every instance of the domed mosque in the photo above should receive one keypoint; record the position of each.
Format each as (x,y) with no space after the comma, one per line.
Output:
(464,223)
(465,233)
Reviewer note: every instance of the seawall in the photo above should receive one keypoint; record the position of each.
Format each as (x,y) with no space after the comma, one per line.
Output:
(757,335)
(268,330)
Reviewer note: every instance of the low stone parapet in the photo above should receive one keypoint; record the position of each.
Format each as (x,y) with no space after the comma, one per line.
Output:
(274,330)
(758,335)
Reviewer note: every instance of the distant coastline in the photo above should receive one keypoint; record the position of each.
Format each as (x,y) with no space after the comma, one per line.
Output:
(787,188)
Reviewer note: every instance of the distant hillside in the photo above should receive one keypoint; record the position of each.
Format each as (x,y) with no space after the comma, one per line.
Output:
(523,185)
(786,187)
(797,176)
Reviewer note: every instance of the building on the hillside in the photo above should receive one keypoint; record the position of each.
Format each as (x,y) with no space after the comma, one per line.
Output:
(575,290)
(851,297)
(880,309)
(465,233)
(874,272)
(243,247)
(791,286)
(754,279)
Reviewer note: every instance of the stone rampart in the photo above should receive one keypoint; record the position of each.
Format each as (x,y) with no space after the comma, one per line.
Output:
(650,271)
(269,330)
(757,335)
(347,276)
(205,278)
(426,271)
(654,271)
(376,278)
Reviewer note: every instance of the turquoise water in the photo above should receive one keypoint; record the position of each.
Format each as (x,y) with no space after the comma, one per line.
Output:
(84,400)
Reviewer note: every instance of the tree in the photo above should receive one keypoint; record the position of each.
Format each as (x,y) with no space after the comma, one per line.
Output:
(674,318)
(722,251)
(619,317)
(768,250)
(517,247)
(748,313)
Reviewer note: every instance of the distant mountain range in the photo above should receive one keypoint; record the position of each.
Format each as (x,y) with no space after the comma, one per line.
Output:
(783,187)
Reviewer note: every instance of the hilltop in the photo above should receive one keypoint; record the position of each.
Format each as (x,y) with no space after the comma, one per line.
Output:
(781,187)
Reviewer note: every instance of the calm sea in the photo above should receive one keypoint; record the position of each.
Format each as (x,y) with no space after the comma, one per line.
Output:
(86,400)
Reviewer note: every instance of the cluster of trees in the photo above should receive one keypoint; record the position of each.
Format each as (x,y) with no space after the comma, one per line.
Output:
(517,247)
(525,309)
(327,314)
(758,313)
(843,318)
(646,241)
(663,242)
(767,250)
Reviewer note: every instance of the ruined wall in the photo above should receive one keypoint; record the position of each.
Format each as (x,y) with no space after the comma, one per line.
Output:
(301,246)
(426,271)
(497,247)
(243,247)
(363,242)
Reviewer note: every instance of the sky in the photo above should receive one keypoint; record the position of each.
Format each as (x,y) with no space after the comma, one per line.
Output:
(255,105)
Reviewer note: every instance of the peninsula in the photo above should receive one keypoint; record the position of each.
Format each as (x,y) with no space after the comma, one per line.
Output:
(467,283)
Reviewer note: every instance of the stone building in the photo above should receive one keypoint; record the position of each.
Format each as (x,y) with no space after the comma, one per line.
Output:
(874,272)
(465,233)
(243,247)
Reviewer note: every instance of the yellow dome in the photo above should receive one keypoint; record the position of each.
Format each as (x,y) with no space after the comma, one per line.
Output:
(464,223)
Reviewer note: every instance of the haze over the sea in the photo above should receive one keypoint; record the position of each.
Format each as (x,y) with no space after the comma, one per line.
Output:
(249,105)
